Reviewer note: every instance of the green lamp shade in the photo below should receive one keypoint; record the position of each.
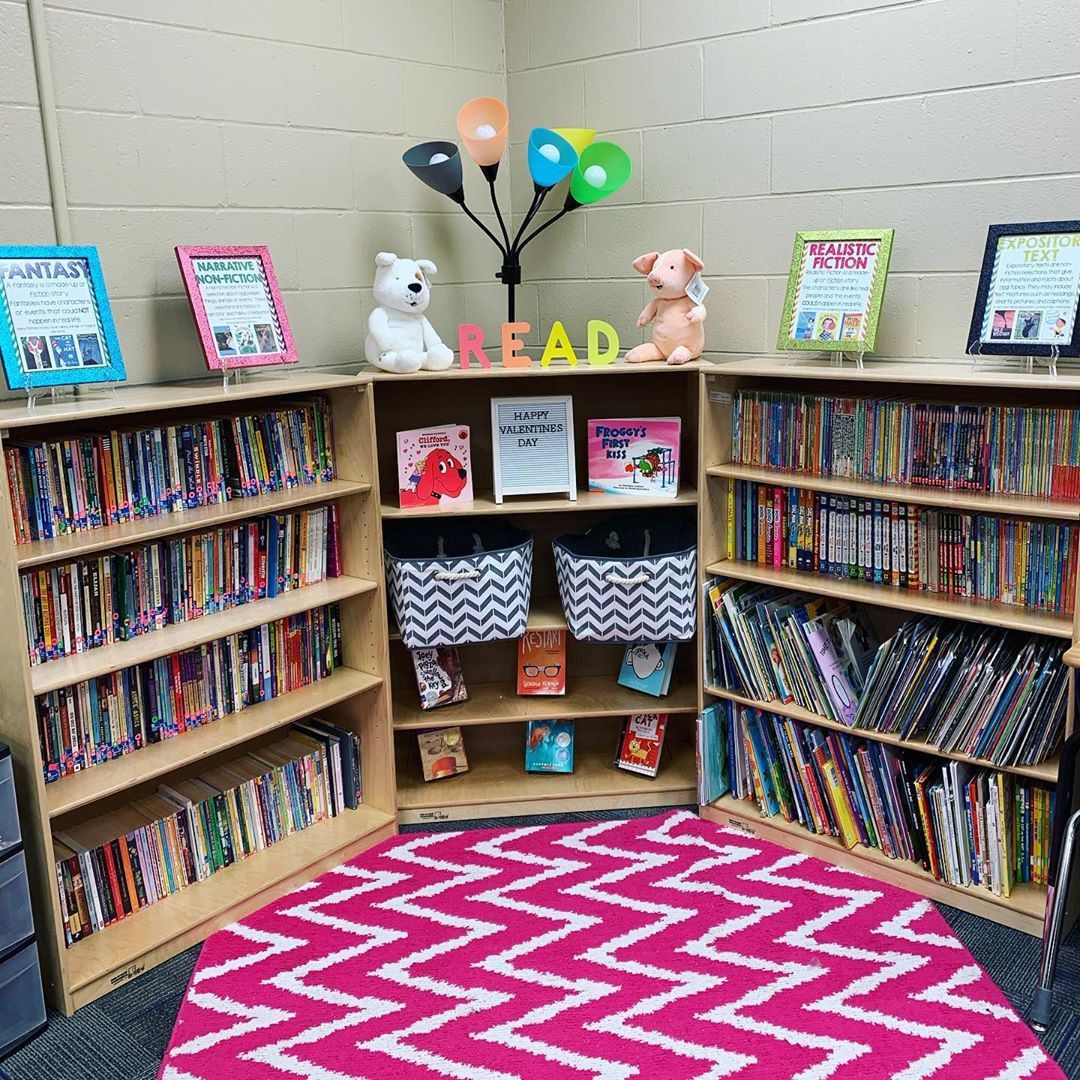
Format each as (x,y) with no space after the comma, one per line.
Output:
(601,170)
(438,164)
(578,138)
(482,124)
(551,157)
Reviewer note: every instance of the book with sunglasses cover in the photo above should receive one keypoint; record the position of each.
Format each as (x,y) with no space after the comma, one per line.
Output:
(647,667)
(542,663)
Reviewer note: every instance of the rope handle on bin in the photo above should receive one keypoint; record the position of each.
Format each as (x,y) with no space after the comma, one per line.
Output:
(458,575)
(639,579)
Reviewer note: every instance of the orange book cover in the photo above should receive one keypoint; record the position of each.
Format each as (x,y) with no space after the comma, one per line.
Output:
(542,663)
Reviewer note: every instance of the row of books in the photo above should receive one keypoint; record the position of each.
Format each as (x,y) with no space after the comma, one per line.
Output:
(1006,560)
(991,448)
(78,606)
(966,826)
(95,721)
(118,864)
(92,480)
(994,694)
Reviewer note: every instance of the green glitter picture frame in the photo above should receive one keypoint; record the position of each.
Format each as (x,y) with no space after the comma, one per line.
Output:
(831,326)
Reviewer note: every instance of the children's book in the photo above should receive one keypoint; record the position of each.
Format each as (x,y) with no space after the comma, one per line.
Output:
(647,667)
(438,676)
(640,743)
(442,753)
(542,663)
(635,456)
(549,746)
(434,467)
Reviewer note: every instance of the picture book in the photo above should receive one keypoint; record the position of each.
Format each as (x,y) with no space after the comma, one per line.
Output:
(542,663)
(640,743)
(438,676)
(635,456)
(549,746)
(442,753)
(434,467)
(647,667)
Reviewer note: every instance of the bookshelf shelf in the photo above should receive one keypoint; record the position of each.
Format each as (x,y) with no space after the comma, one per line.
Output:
(1045,771)
(104,960)
(961,501)
(497,785)
(159,759)
(80,544)
(497,703)
(484,503)
(933,382)
(170,639)
(864,592)
(356,697)
(1022,910)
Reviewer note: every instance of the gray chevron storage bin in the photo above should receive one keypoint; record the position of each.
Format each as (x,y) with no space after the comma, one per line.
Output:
(630,580)
(457,582)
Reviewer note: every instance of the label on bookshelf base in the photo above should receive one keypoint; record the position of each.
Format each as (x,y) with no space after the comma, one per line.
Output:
(127,974)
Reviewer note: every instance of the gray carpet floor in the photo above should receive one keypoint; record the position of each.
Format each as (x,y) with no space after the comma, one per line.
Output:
(123,1035)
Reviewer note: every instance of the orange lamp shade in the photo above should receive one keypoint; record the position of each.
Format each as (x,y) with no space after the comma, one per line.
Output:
(483,124)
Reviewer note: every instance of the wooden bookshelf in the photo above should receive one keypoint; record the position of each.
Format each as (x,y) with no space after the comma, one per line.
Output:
(355,696)
(935,382)
(494,716)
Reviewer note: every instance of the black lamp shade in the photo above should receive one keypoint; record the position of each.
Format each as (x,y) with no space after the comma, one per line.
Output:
(441,176)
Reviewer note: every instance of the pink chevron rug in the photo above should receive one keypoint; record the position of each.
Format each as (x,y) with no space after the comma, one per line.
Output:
(660,947)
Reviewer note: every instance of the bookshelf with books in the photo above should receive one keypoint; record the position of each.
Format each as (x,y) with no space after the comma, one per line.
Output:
(196,697)
(493,718)
(933,512)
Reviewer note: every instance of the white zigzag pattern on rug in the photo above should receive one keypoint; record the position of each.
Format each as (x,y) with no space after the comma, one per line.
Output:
(625,887)
(492,606)
(661,609)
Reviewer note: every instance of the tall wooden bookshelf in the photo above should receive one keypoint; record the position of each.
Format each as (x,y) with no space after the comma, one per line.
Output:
(354,697)
(945,383)
(493,717)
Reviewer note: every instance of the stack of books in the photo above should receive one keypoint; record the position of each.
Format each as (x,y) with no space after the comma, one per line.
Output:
(964,825)
(990,448)
(116,865)
(94,480)
(114,714)
(980,556)
(74,607)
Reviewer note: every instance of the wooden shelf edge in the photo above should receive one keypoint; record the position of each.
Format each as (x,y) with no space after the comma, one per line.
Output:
(1022,911)
(587,501)
(113,956)
(495,703)
(863,592)
(1046,771)
(79,544)
(161,758)
(186,635)
(971,501)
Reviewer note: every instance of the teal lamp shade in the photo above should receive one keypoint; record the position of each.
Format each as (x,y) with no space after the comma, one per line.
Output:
(437,164)
(601,170)
(551,157)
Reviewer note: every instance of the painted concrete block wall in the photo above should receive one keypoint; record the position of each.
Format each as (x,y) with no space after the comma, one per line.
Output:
(249,121)
(750,119)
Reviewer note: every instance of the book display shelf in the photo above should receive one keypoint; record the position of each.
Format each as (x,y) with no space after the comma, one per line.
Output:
(354,695)
(887,606)
(493,717)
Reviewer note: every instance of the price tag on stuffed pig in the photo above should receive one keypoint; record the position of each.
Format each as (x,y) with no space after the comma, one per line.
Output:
(696,288)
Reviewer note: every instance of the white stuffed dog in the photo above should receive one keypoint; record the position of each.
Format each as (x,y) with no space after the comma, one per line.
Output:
(399,337)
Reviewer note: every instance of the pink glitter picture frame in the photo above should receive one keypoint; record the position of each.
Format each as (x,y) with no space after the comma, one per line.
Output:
(237,306)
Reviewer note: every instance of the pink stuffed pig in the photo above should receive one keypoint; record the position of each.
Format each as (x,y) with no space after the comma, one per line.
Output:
(677,334)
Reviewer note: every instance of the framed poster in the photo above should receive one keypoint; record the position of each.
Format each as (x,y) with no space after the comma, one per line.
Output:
(532,444)
(1028,291)
(237,306)
(57,328)
(835,289)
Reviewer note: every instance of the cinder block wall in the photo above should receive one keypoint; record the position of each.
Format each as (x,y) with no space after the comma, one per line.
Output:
(249,121)
(750,119)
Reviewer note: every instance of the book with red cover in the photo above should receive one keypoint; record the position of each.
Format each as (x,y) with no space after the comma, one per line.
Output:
(640,743)
(542,663)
